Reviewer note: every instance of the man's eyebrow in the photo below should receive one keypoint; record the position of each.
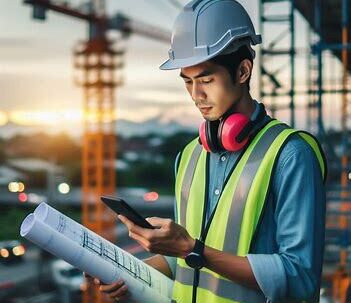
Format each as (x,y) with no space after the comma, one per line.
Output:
(204,73)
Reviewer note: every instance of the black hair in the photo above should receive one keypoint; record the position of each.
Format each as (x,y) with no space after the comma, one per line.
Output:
(232,61)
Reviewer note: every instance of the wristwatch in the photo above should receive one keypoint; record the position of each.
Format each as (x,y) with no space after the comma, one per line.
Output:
(196,258)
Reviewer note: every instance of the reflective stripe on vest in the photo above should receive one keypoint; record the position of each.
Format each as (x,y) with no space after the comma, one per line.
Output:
(238,213)
(189,174)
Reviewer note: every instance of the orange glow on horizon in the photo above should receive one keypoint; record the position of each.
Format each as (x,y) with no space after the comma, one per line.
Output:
(69,117)
(3,118)
(44,117)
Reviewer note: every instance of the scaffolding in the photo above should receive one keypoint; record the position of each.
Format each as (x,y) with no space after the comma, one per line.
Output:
(270,86)
(329,27)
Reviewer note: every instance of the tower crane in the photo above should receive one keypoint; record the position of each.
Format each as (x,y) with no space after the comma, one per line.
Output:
(98,58)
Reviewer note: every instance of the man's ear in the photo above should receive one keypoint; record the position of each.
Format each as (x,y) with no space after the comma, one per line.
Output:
(244,70)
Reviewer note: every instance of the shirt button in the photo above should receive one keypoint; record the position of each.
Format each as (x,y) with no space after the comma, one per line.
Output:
(217,192)
(223,158)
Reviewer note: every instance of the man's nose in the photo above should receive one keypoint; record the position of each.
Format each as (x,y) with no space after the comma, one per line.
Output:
(197,92)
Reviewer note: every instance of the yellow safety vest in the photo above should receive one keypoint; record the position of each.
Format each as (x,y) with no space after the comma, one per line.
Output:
(238,210)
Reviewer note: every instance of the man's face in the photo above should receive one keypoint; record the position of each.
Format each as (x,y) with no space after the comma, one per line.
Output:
(211,88)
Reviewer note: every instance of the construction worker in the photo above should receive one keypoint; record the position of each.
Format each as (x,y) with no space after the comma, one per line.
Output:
(250,198)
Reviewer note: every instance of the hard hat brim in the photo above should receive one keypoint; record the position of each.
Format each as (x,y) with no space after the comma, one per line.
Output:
(181,63)
(186,62)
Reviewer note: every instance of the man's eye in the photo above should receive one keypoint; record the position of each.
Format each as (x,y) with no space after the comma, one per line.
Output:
(187,82)
(206,81)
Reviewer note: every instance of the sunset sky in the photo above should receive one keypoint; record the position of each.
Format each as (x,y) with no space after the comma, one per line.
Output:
(36,70)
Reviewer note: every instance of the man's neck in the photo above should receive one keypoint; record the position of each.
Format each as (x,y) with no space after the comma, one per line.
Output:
(245,105)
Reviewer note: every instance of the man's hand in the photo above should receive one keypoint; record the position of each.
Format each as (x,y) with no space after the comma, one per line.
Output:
(169,238)
(117,291)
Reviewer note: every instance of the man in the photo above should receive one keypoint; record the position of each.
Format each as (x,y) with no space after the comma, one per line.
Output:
(250,200)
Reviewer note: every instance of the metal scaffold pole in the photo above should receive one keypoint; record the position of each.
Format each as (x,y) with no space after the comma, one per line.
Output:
(292,63)
(319,50)
(345,106)
(343,220)
(269,85)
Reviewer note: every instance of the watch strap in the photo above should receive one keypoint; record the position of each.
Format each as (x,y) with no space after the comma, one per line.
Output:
(199,247)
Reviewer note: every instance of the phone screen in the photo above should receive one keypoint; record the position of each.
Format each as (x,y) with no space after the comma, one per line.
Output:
(121,207)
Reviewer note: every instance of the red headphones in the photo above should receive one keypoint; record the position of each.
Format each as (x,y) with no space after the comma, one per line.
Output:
(231,133)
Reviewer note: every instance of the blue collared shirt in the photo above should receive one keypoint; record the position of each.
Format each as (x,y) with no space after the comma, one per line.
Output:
(287,255)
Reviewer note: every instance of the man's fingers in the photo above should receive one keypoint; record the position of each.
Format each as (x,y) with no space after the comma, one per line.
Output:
(130,225)
(87,276)
(158,222)
(144,232)
(126,221)
(92,279)
(113,287)
(119,293)
(142,241)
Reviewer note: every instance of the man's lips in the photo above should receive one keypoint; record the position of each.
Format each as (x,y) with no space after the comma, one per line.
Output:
(205,109)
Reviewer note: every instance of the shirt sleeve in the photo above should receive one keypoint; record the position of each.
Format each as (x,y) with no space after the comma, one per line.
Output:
(299,198)
(172,263)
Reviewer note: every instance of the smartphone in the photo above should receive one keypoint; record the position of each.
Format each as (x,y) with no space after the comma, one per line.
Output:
(121,207)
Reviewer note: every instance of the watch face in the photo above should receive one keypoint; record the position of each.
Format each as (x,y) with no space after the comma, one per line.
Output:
(194,260)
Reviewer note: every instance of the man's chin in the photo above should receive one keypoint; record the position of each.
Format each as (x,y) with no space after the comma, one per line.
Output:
(210,117)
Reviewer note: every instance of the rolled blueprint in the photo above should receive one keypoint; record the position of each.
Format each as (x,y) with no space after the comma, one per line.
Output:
(86,250)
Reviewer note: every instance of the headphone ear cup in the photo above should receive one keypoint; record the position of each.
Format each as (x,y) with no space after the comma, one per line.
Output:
(203,137)
(230,129)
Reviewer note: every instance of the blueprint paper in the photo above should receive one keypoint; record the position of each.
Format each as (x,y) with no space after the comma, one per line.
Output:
(91,253)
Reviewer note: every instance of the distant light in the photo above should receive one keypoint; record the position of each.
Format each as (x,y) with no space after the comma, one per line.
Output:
(18,250)
(63,188)
(350,176)
(21,187)
(151,196)
(34,198)
(13,187)
(4,253)
(22,197)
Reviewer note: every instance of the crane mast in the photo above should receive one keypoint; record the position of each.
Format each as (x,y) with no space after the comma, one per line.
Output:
(98,61)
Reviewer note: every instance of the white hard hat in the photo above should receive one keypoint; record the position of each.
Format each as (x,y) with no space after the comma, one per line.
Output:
(207,28)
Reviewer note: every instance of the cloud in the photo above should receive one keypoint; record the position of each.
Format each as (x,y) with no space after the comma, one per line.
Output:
(31,92)
(17,42)
(160,96)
